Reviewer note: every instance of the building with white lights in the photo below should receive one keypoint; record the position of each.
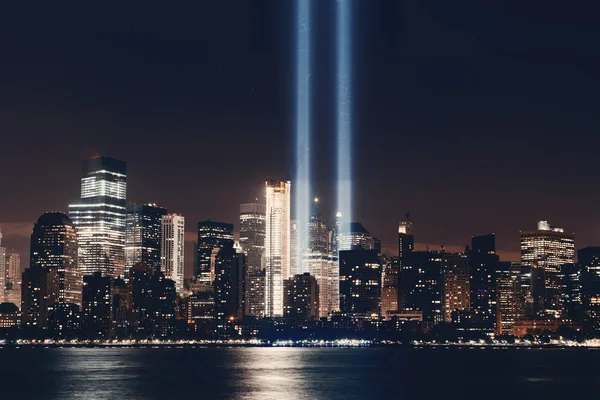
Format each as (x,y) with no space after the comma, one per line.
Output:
(100,217)
(172,249)
(143,237)
(549,248)
(2,267)
(252,240)
(277,245)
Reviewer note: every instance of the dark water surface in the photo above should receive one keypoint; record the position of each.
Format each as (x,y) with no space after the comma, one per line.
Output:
(296,373)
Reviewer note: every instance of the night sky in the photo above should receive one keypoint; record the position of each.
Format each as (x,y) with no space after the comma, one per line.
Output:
(475,116)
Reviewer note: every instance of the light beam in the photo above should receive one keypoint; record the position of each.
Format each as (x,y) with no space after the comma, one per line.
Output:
(344,115)
(302,197)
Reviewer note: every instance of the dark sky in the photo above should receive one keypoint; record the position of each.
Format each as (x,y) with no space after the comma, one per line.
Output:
(476,116)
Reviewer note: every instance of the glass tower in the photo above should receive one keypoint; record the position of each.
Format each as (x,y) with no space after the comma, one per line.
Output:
(211,235)
(143,236)
(172,249)
(277,245)
(100,217)
(252,240)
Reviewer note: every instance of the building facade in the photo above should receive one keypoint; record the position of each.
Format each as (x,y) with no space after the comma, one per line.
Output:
(173,249)
(301,297)
(549,248)
(143,238)
(277,245)
(100,217)
(360,282)
(54,247)
(211,235)
(252,240)
(456,284)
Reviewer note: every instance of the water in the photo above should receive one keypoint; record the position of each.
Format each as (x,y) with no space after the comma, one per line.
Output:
(296,373)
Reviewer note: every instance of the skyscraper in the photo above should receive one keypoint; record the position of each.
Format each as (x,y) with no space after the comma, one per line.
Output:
(54,248)
(172,249)
(211,235)
(301,297)
(277,245)
(143,235)
(252,240)
(589,259)
(320,263)
(97,305)
(406,240)
(456,284)
(483,264)
(34,300)
(549,248)
(229,282)
(100,216)
(357,238)
(509,296)
(2,267)
(360,282)
(389,285)
(12,281)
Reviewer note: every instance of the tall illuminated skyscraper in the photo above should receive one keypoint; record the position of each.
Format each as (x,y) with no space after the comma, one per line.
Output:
(143,238)
(319,262)
(54,248)
(406,240)
(277,245)
(172,249)
(100,216)
(549,248)
(252,240)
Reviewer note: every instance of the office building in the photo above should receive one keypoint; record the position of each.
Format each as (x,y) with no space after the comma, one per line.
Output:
(229,283)
(509,296)
(483,264)
(2,267)
(549,248)
(301,297)
(360,282)
(277,245)
(358,238)
(211,235)
(96,311)
(589,260)
(100,217)
(406,240)
(252,240)
(35,298)
(172,249)
(143,238)
(12,278)
(456,284)
(54,247)
(389,286)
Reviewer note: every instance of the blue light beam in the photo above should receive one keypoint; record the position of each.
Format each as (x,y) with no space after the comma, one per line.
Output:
(344,115)
(303,131)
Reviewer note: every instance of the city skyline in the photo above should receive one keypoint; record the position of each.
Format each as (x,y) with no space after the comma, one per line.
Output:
(467,129)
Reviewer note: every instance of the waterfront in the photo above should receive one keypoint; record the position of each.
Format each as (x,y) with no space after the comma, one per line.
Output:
(297,373)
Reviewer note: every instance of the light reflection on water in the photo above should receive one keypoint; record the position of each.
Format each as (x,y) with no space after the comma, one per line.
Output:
(293,373)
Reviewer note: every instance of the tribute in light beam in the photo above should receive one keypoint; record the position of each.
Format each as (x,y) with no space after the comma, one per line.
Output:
(303,131)
(344,116)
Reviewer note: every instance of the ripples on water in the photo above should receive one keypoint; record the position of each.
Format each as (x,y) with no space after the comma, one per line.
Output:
(293,373)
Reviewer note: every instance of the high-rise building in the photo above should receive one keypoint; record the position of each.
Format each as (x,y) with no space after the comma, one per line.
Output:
(54,247)
(360,282)
(589,260)
(229,282)
(140,278)
(211,235)
(277,245)
(406,240)
(252,240)
(163,297)
(2,267)
(100,217)
(143,236)
(549,248)
(358,238)
(483,263)
(35,298)
(389,286)
(456,284)
(319,262)
(301,297)
(172,249)
(421,285)
(97,305)
(509,296)
(12,279)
